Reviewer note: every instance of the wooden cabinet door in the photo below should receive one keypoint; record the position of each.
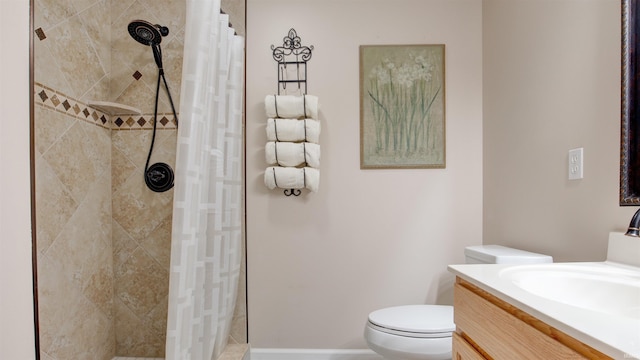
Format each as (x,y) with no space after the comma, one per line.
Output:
(462,350)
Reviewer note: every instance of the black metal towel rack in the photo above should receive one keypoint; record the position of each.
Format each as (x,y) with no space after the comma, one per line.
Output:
(292,58)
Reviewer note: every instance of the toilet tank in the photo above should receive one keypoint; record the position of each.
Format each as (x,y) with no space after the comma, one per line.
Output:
(497,254)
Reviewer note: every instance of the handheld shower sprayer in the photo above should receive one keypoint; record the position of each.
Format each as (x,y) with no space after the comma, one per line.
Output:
(151,35)
(157,56)
(147,34)
(159,176)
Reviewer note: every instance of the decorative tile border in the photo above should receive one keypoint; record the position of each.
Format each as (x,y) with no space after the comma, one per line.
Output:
(142,122)
(49,98)
(52,99)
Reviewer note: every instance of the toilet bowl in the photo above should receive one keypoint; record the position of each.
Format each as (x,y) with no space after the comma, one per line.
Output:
(423,332)
(411,332)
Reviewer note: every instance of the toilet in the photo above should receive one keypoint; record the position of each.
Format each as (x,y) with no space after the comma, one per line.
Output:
(423,332)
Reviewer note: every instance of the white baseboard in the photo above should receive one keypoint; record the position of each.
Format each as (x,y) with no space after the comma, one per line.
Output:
(313,354)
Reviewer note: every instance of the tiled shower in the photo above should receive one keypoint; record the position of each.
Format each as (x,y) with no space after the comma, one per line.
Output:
(103,238)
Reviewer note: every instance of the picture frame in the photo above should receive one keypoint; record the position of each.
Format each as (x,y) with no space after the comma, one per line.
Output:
(402,106)
(630,106)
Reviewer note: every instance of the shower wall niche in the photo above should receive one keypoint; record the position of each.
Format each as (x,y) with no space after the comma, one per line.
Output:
(103,238)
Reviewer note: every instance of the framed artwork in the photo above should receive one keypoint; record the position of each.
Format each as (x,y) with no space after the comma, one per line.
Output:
(402,106)
(630,105)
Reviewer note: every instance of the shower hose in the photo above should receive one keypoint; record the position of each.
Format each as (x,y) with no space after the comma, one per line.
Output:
(159,176)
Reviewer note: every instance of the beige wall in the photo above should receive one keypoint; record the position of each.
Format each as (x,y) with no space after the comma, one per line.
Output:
(319,263)
(16,305)
(551,84)
(544,90)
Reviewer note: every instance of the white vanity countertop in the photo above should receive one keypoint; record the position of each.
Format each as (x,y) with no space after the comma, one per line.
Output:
(613,335)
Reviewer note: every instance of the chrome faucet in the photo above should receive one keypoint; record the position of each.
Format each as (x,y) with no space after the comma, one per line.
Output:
(634,225)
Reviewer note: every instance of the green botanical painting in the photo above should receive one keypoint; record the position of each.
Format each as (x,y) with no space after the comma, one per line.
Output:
(402,111)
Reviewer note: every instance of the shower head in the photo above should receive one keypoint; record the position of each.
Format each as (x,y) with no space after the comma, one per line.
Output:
(147,34)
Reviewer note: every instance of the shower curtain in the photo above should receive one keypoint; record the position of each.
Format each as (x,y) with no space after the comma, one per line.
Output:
(208,201)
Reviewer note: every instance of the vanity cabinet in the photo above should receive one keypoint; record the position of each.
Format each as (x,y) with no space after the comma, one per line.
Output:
(490,328)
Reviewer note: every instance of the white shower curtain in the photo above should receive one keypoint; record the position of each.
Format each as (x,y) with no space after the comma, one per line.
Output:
(208,196)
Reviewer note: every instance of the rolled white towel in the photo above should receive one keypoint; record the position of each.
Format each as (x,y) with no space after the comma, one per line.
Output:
(292,154)
(291,106)
(292,178)
(293,130)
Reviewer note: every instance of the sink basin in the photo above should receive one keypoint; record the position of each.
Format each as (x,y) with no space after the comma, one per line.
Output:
(601,287)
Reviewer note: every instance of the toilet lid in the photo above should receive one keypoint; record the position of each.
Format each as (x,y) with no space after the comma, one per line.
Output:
(415,320)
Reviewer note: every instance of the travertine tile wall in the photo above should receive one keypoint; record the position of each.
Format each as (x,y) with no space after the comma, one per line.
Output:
(103,237)
(73,181)
(74,251)
(142,218)
(141,244)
